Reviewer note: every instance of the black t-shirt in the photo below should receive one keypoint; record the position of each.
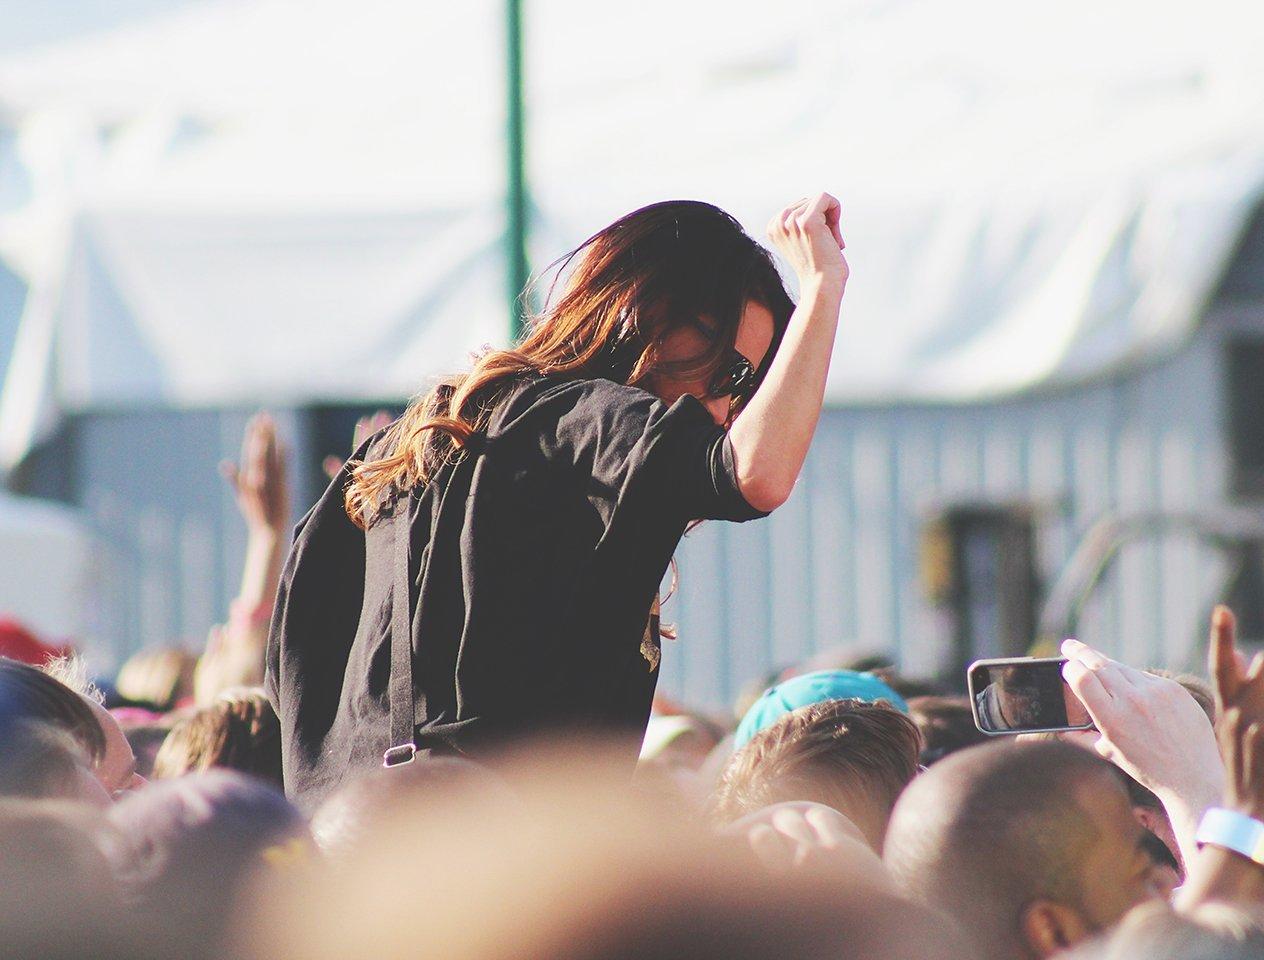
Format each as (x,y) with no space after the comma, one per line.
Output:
(535,561)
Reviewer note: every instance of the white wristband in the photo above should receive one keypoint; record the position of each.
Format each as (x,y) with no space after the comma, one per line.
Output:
(1234,831)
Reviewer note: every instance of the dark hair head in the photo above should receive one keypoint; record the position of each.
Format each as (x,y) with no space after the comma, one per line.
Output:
(29,694)
(41,762)
(851,755)
(992,828)
(239,731)
(653,271)
(946,725)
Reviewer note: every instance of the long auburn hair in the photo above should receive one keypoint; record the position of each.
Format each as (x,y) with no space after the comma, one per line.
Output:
(650,272)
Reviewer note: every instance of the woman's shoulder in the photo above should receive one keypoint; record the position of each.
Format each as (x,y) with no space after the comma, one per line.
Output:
(553,397)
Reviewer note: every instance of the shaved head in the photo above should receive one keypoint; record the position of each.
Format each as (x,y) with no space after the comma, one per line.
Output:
(989,831)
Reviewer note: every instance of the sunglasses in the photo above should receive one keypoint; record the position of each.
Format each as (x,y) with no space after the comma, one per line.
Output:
(736,379)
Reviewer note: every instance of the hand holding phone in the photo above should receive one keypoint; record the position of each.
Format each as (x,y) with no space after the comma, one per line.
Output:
(1024,695)
(1153,730)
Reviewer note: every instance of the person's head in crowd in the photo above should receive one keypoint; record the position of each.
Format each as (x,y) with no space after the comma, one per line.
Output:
(60,899)
(340,823)
(30,694)
(571,866)
(851,755)
(1165,872)
(946,725)
(656,300)
(1032,847)
(161,677)
(182,848)
(117,767)
(39,761)
(809,688)
(238,731)
(1211,931)
(146,740)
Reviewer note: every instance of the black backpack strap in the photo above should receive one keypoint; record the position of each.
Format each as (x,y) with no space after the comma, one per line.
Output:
(403,747)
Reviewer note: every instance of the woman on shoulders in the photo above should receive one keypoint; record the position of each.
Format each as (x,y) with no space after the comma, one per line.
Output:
(488,565)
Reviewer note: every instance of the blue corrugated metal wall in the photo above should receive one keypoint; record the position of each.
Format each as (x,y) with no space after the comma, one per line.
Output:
(836,564)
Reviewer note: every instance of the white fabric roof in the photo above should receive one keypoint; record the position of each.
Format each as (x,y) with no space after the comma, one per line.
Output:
(286,200)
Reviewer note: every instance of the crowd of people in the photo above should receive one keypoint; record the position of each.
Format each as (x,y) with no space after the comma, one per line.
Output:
(842,811)
(257,799)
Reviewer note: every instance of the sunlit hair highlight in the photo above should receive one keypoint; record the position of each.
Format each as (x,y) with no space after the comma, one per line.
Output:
(626,288)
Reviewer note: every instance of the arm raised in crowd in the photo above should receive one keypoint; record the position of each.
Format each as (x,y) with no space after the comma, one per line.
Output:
(263,497)
(771,435)
(234,653)
(1218,874)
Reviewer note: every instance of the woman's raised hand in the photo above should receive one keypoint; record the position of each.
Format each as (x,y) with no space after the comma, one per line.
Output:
(807,234)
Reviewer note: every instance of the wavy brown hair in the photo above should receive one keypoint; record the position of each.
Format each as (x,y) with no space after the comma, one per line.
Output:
(627,287)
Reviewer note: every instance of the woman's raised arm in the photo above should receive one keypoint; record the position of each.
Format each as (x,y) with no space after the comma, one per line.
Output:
(771,436)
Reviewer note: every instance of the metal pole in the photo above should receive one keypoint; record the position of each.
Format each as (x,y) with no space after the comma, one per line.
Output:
(517,269)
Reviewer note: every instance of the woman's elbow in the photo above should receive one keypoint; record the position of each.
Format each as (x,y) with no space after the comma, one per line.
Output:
(766,494)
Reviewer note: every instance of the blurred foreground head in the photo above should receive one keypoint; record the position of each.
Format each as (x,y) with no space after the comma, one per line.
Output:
(59,897)
(1033,847)
(568,863)
(341,823)
(182,847)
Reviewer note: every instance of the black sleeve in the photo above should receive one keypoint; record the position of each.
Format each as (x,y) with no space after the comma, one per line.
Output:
(670,458)
(314,623)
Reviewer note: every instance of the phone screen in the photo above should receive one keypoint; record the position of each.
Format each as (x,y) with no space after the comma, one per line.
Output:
(1021,695)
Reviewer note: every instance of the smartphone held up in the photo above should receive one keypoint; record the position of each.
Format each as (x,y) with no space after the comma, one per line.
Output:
(1024,695)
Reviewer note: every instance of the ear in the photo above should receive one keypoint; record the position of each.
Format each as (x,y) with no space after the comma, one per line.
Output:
(1048,927)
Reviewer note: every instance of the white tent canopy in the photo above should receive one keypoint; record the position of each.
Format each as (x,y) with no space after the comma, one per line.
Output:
(292,200)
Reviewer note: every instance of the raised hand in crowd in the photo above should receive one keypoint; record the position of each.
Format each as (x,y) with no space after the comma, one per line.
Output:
(1220,873)
(234,652)
(259,479)
(771,435)
(1153,729)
